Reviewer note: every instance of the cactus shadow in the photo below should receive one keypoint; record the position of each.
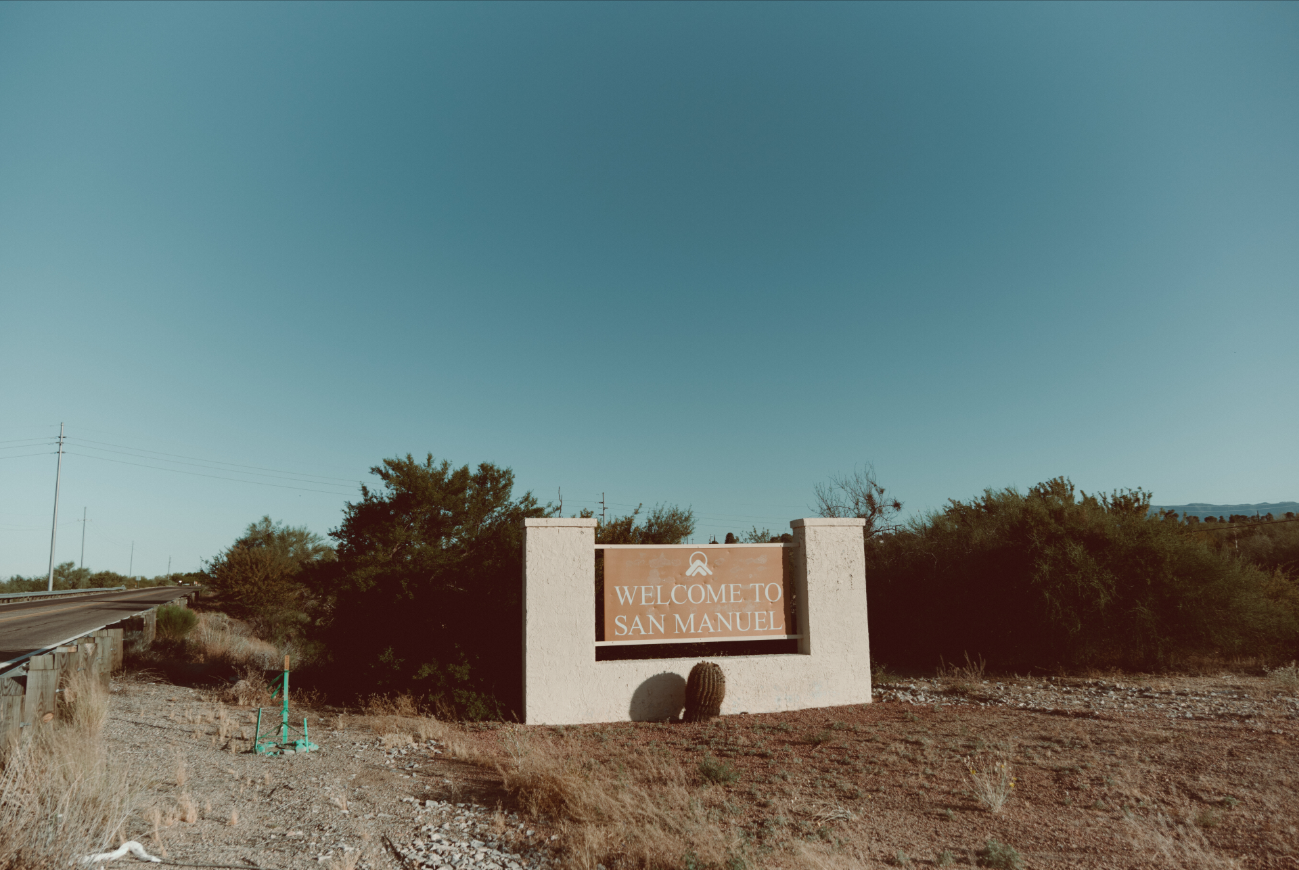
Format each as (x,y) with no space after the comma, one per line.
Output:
(660,697)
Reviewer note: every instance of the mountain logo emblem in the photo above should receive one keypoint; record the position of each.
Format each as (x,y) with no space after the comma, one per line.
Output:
(699,566)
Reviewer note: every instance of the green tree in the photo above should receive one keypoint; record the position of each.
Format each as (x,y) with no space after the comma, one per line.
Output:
(425,595)
(664,524)
(756,535)
(260,576)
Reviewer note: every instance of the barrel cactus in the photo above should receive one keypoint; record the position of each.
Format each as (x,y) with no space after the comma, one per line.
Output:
(705,689)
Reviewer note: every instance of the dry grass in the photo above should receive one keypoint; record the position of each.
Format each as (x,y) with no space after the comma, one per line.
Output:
(393,739)
(641,814)
(961,678)
(1169,844)
(400,721)
(1285,678)
(251,690)
(812,855)
(60,798)
(218,638)
(186,810)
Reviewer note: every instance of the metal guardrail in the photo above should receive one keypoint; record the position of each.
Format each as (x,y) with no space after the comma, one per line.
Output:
(16,664)
(5,596)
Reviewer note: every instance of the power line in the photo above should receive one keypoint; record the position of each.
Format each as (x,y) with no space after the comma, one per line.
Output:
(210,468)
(196,474)
(21,455)
(214,461)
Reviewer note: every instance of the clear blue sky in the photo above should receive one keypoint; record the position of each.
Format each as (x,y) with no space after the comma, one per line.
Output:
(695,254)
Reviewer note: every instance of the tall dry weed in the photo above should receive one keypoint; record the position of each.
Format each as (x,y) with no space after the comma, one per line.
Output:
(61,798)
(85,705)
(644,814)
(993,781)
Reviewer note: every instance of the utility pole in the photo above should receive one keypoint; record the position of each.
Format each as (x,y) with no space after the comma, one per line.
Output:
(602,508)
(169,567)
(130,572)
(561,501)
(83,537)
(54,529)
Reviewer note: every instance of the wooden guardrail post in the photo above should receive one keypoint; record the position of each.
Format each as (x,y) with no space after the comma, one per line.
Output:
(42,683)
(11,707)
(108,650)
(119,647)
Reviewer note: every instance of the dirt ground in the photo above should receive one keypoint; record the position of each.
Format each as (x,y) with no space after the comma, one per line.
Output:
(1135,771)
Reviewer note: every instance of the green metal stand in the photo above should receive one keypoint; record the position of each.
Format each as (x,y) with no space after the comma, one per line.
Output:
(284,746)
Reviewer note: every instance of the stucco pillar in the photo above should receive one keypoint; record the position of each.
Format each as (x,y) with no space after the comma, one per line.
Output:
(558,616)
(832,618)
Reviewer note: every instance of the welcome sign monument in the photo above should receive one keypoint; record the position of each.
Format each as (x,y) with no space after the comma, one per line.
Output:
(811,593)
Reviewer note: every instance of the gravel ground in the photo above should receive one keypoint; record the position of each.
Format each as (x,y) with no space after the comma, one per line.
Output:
(1239,700)
(1096,760)
(361,801)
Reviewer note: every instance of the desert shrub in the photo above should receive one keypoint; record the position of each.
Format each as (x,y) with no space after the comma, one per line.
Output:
(1000,856)
(1048,577)
(175,622)
(715,770)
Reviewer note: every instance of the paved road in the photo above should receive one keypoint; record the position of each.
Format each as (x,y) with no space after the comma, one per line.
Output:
(36,625)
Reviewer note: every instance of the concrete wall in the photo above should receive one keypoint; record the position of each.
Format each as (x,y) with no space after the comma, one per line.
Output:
(564,684)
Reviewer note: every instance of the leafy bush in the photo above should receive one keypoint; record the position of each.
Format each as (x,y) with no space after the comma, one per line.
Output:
(1048,578)
(175,622)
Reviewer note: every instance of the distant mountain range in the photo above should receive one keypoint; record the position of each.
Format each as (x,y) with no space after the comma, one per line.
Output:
(1276,509)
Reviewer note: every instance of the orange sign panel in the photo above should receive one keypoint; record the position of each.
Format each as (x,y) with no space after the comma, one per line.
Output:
(691,594)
